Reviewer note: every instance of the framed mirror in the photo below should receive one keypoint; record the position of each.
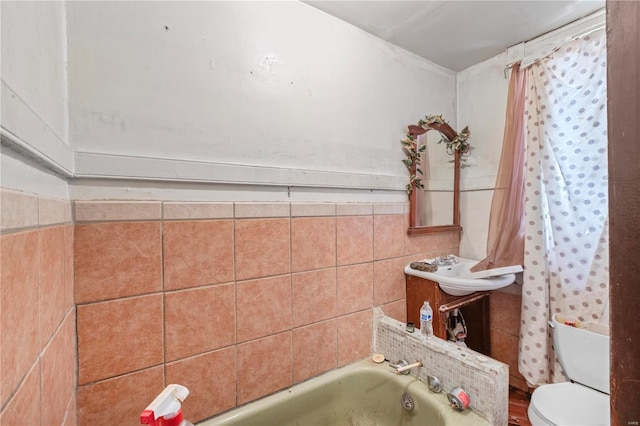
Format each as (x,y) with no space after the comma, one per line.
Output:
(434,186)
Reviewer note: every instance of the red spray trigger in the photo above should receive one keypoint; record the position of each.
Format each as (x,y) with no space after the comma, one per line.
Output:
(166,408)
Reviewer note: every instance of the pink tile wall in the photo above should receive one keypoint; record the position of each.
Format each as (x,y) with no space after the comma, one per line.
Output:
(114,260)
(504,332)
(37,316)
(109,333)
(262,247)
(263,298)
(314,349)
(197,253)
(198,320)
(234,301)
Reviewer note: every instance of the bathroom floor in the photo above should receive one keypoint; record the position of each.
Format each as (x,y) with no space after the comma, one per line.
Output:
(518,403)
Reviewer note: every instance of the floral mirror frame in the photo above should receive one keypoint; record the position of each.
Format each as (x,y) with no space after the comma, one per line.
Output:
(457,144)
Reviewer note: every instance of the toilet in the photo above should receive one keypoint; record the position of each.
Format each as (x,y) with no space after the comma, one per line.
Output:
(583,352)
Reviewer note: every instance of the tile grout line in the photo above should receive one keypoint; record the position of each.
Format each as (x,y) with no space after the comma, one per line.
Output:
(291,349)
(373,258)
(337,293)
(163,299)
(235,289)
(40,337)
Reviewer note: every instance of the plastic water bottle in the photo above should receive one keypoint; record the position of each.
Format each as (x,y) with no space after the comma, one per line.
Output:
(426,320)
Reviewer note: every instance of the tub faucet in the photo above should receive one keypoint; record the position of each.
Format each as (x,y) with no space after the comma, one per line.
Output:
(403,366)
(434,384)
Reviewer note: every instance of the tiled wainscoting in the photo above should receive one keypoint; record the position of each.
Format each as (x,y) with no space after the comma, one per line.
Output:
(233,300)
(485,380)
(38,322)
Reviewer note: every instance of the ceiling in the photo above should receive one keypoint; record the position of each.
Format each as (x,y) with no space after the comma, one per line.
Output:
(457,33)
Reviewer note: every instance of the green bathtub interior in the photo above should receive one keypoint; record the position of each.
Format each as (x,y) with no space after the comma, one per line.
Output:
(363,393)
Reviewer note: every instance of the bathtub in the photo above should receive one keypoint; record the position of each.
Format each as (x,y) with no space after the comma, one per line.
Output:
(363,393)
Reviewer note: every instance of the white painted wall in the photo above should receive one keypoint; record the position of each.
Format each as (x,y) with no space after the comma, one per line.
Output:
(34,98)
(21,173)
(481,101)
(198,91)
(34,59)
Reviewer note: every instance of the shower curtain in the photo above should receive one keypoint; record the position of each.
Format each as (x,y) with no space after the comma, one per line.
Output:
(505,242)
(566,199)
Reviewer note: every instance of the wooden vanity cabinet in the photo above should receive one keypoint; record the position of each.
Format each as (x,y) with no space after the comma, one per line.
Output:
(474,308)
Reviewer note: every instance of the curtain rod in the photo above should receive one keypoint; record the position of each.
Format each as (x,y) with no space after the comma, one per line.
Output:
(531,51)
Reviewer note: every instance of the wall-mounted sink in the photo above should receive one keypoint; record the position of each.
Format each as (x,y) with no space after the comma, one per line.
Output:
(457,280)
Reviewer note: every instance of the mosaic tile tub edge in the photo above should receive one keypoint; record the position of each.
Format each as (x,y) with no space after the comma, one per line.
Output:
(486,380)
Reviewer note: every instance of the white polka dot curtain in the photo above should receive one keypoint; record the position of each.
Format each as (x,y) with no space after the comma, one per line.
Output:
(566,255)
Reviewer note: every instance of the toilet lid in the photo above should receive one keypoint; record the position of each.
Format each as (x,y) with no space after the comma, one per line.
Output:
(571,404)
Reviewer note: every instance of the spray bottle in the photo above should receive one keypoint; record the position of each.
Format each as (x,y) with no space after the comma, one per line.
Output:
(166,408)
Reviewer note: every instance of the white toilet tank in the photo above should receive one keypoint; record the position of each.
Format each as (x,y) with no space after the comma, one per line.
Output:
(583,351)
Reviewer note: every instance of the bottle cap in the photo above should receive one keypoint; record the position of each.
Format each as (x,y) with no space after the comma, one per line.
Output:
(377,358)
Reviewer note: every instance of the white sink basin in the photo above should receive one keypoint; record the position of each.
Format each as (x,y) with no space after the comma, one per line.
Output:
(457,280)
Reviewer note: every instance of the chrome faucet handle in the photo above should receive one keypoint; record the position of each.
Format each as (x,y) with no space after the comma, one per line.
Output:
(434,384)
(403,367)
(399,364)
